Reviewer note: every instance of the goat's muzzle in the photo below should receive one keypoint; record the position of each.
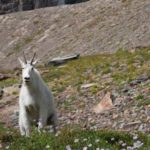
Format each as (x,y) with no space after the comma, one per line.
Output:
(27,79)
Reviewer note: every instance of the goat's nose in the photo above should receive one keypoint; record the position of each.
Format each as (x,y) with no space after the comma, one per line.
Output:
(27,78)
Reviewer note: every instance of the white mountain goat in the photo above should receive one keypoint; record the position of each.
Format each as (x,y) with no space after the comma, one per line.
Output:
(35,100)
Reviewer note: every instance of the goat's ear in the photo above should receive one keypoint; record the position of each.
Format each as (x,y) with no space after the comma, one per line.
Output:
(21,62)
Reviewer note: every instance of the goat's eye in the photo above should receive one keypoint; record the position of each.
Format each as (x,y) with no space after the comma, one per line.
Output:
(32,68)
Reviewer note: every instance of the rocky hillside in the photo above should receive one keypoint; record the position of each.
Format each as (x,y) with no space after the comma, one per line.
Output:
(86,28)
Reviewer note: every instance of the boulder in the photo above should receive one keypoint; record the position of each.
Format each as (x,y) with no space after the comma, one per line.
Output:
(61,60)
(5,76)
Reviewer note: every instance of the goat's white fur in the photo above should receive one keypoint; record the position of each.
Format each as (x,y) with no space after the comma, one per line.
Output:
(35,101)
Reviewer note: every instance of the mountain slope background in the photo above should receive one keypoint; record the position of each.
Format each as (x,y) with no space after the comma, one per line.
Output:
(87,28)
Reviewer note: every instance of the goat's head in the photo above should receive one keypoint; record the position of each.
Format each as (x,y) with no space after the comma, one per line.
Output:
(28,69)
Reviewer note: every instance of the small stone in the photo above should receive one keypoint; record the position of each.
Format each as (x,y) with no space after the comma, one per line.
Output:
(85,86)
(124,144)
(120,142)
(130,148)
(114,116)
(105,104)
(122,125)
(137,144)
(142,128)
(135,137)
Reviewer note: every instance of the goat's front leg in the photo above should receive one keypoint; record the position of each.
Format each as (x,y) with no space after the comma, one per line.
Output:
(54,120)
(24,123)
(42,118)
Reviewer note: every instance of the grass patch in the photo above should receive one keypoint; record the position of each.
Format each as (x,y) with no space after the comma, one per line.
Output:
(123,66)
(8,82)
(75,137)
(143,102)
(139,97)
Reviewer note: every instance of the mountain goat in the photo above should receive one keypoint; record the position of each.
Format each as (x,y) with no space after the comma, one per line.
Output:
(36,103)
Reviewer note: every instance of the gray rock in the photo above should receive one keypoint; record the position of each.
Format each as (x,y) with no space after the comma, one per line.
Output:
(1,92)
(9,6)
(130,148)
(142,128)
(139,80)
(61,60)
(5,76)
(135,137)
(137,144)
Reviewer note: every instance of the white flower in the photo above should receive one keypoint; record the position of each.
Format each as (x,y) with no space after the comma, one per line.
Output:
(124,144)
(51,130)
(76,140)
(7,147)
(58,133)
(84,140)
(47,146)
(85,148)
(97,140)
(90,145)
(68,147)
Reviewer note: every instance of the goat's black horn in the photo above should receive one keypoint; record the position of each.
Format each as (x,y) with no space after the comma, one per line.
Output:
(33,58)
(24,57)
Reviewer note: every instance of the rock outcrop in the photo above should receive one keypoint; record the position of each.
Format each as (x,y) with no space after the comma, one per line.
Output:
(8,6)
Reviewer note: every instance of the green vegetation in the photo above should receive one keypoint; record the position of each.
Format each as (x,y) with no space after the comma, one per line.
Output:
(120,67)
(8,82)
(75,138)
(144,102)
(141,100)
(123,66)
(140,97)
